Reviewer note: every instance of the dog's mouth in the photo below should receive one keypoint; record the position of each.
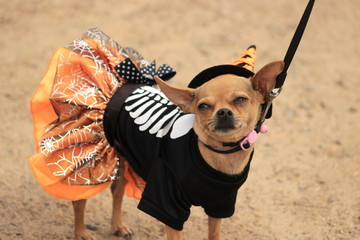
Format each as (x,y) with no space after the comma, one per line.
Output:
(220,126)
(224,126)
(223,131)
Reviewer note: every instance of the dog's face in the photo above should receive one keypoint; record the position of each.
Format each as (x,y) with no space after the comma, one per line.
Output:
(228,106)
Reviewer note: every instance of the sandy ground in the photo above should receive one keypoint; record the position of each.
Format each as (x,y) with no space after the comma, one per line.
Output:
(305,177)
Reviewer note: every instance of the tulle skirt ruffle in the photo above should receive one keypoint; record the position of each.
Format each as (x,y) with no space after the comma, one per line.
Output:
(74,160)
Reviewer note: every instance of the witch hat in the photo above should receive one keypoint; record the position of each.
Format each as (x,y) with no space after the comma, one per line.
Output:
(243,66)
(247,59)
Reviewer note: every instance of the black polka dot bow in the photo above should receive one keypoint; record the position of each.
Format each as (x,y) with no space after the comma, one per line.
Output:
(127,70)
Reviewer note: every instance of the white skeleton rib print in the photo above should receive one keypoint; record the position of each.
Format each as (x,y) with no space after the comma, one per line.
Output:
(153,112)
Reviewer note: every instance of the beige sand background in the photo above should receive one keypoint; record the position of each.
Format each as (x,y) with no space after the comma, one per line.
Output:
(305,177)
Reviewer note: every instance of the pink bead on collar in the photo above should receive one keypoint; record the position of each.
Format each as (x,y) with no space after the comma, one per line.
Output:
(252,136)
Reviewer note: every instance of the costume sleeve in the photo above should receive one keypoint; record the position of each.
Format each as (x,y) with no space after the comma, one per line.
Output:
(163,197)
(224,210)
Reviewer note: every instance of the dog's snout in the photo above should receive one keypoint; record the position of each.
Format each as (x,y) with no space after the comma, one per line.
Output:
(225,120)
(224,112)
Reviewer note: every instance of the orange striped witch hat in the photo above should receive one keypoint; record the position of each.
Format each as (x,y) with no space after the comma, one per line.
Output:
(243,66)
(247,59)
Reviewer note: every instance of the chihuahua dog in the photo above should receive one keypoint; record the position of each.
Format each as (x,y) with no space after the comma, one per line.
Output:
(208,166)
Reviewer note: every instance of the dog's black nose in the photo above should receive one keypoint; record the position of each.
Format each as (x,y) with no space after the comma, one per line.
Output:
(224,113)
(225,120)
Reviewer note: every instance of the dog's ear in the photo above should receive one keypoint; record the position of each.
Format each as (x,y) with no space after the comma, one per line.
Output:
(265,79)
(180,96)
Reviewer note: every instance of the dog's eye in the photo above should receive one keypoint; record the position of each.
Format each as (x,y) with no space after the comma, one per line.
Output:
(203,106)
(240,99)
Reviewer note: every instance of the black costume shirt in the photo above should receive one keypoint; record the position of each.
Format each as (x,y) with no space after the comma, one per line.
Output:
(159,143)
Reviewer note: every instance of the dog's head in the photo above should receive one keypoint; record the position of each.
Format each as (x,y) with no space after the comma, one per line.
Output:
(228,106)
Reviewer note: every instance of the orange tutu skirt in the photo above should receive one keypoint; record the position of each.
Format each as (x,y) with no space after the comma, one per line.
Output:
(74,160)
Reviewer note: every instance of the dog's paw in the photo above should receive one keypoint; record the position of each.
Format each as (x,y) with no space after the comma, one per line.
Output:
(84,235)
(122,230)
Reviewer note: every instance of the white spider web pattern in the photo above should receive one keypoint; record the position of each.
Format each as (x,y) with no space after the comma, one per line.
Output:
(75,145)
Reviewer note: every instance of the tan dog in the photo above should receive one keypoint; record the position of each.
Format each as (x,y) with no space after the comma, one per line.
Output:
(227,108)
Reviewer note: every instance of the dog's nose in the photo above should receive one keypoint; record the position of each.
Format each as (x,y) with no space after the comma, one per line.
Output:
(225,120)
(224,112)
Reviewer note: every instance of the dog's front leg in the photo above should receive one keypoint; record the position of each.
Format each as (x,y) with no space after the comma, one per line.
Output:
(214,228)
(79,212)
(173,234)
(118,228)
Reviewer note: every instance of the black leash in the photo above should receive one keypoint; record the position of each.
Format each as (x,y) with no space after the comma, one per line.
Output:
(294,44)
(280,79)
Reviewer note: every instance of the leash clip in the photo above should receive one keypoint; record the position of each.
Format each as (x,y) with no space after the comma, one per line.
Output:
(274,93)
(271,96)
